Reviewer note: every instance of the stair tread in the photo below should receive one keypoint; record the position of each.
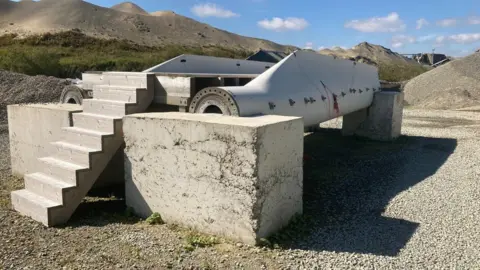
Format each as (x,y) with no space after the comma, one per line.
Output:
(63,164)
(50,180)
(96,115)
(68,145)
(109,101)
(37,199)
(87,131)
(118,87)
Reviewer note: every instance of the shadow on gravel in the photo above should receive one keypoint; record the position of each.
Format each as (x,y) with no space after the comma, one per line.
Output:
(348,183)
(103,206)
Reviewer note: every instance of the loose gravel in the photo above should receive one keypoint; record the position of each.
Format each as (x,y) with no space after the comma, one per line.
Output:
(410,204)
(450,86)
(16,88)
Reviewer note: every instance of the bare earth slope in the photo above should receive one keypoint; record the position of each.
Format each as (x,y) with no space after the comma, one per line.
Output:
(368,53)
(130,7)
(26,18)
(451,86)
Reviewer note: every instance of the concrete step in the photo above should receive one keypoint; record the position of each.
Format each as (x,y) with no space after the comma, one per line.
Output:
(46,186)
(85,137)
(137,79)
(108,107)
(60,169)
(101,123)
(125,94)
(32,205)
(74,153)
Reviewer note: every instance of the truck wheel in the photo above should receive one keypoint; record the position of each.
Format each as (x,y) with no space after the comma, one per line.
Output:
(72,95)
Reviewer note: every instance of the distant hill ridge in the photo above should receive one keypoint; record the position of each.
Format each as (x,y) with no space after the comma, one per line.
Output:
(368,53)
(122,21)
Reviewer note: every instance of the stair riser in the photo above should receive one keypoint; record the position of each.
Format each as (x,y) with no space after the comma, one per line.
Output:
(59,173)
(140,82)
(83,139)
(48,191)
(85,121)
(99,107)
(73,156)
(120,95)
(29,208)
(105,108)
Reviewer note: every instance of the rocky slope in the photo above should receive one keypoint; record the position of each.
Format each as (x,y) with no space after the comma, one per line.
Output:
(368,53)
(130,7)
(29,17)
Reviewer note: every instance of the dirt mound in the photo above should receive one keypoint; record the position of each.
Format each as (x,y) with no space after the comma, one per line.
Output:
(130,7)
(451,86)
(27,18)
(18,88)
(368,53)
(163,13)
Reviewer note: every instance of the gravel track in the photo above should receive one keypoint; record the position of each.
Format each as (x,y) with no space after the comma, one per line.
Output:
(411,204)
(450,86)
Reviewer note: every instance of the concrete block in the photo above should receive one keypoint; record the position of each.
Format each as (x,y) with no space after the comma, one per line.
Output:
(381,121)
(240,178)
(32,130)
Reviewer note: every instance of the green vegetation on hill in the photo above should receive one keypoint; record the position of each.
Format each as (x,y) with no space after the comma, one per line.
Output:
(393,72)
(68,54)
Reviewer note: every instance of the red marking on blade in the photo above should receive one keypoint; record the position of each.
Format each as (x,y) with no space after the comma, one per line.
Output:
(335,105)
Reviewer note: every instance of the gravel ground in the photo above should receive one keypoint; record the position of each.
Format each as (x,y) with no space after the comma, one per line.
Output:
(18,88)
(450,86)
(410,204)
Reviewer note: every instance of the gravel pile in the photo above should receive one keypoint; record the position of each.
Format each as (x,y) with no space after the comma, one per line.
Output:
(451,86)
(411,204)
(18,88)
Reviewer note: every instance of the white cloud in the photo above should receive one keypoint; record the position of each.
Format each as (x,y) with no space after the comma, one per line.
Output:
(474,20)
(321,48)
(399,41)
(309,45)
(212,10)
(447,22)
(465,38)
(279,24)
(390,23)
(426,38)
(459,38)
(421,23)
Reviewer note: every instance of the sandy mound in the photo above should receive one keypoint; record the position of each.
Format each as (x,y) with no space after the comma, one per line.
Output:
(368,53)
(26,18)
(163,13)
(18,88)
(130,7)
(451,86)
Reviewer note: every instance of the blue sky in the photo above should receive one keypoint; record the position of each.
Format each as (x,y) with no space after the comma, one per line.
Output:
(407,26)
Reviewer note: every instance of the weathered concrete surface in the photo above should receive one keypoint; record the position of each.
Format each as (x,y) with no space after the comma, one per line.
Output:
(31,129)
(381,121)
(240,178)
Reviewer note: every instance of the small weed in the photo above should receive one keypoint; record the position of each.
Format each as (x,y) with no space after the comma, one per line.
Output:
(155,218)
(195,240)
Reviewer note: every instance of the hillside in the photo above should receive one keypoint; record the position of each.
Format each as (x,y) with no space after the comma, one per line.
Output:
(28,17)
(451,86)
(130,7)
(368,53)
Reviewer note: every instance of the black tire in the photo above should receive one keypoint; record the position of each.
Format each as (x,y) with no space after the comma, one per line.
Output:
(72,95)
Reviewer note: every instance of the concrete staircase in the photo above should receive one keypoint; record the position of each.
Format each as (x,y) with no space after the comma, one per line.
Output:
(52,194)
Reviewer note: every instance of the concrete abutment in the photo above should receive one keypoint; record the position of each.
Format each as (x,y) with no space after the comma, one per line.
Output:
(381,121)
(240,178)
